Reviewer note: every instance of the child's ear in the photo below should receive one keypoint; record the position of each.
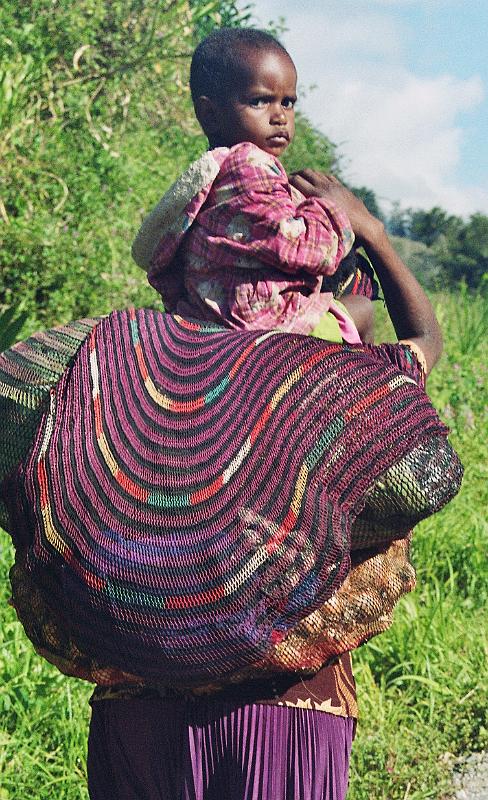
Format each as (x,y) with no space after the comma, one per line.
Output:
(207,113)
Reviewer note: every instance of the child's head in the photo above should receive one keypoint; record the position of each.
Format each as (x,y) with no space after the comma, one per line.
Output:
(243,85)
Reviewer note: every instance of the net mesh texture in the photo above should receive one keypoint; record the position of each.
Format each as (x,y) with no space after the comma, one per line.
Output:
(182,515)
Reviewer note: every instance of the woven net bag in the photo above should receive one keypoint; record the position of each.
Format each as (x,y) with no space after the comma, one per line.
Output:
(187,506)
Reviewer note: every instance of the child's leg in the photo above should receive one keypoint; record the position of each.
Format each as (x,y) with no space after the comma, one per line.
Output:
(361,310)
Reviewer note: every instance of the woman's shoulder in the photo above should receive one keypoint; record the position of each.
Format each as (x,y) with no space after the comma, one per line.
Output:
(405,355)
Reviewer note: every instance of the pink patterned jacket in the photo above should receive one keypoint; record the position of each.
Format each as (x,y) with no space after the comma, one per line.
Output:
(232,242)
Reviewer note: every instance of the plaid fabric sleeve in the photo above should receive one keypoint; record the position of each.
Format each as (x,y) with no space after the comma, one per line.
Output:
(252,210)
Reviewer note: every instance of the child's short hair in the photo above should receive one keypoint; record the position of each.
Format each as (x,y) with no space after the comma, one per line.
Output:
(217,63)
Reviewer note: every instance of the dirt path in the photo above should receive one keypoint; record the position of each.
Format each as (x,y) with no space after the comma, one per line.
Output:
(471,778)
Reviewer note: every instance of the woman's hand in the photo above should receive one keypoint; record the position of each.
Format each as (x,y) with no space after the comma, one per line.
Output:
(409,307)
(316,184)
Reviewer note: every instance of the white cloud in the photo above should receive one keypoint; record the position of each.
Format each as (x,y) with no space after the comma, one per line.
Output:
(400,133)
(422,3)
(340,36)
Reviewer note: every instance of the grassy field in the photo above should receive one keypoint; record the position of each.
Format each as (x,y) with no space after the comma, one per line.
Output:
(422,686)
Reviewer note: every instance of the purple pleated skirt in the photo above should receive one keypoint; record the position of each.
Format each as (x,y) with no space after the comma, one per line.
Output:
(164,749)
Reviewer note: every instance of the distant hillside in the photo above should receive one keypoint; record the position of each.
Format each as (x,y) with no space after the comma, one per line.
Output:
(419,258)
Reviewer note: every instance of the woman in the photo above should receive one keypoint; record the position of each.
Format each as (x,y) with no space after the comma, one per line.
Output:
(281,735)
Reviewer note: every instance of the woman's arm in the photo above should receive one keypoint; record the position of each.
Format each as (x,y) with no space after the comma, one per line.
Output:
(409,308)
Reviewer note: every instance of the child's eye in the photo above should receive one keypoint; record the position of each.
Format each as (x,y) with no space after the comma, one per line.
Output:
(258,102)
(289,102)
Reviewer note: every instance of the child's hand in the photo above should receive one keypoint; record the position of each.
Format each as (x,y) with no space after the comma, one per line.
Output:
(315,184)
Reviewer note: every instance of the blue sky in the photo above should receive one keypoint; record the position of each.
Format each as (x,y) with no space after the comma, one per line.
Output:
(402,88)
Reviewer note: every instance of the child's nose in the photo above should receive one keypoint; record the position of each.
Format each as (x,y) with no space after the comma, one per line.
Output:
(278,116)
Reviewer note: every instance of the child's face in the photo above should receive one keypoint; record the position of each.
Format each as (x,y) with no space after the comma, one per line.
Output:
(262,108)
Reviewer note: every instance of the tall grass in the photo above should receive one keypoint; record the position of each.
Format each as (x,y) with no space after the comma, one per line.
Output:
(422,685)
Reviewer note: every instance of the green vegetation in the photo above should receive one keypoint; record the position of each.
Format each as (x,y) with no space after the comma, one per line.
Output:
(12,321)
(95,123)
(454,250)
(422,686)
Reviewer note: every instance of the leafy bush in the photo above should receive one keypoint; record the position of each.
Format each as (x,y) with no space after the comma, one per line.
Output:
(96,122)
(457,250)
(310,148)
(12,321)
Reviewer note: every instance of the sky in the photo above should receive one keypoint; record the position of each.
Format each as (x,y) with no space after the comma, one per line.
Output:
(401,86)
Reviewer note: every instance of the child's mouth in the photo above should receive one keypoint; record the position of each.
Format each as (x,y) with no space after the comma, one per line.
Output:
(279,138)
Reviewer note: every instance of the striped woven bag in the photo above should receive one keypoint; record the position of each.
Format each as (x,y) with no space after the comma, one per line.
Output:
(187,494)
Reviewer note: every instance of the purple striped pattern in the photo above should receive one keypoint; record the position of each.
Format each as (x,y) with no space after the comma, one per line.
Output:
(209,750)
(178,535)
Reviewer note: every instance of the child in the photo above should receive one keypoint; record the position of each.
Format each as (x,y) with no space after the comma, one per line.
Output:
(232,241)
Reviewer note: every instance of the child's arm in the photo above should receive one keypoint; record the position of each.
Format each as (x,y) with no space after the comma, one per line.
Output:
(252,217)
(410,310)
